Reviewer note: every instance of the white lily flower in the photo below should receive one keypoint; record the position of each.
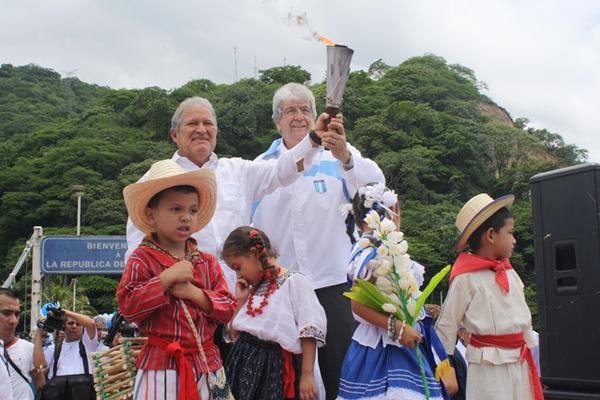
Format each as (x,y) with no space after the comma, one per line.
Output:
(390,308)
(395,237)
(382,251)
(406,279)
(385,262)
(388,225)
(403,247)
(363,243)
(395,299)
(384,284)
(412,290)
(402,262)
(384,269)
(372,219)
(371,265)
(397,249)
(411,306)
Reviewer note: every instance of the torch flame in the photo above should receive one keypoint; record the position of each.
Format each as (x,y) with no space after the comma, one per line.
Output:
(302,21)
(325,40)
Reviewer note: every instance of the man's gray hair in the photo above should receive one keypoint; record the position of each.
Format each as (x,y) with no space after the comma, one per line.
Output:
(191,101)
(292,92)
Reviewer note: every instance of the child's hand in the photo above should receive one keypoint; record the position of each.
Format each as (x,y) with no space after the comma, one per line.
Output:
(184,290)
(242,288)
(410,337)
(181,271)
(308,388)
(450,382)
(464,336)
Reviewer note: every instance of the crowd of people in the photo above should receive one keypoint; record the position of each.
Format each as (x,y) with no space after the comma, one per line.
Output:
(236,271)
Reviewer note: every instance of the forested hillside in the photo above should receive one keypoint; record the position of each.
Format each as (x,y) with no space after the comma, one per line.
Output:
(438,139)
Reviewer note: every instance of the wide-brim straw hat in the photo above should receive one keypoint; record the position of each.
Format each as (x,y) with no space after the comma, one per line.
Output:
(166,174)
(475,212)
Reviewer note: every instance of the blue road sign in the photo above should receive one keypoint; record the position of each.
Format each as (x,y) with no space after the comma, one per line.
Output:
(83,254)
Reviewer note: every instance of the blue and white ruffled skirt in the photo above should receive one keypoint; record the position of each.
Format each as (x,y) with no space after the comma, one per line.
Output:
(388,372)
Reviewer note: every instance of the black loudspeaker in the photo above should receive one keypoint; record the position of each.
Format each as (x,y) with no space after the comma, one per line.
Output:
(566,222)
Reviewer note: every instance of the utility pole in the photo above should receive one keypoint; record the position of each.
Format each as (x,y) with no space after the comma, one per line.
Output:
(36,275)
(78,193)
(74,292)
(235,69)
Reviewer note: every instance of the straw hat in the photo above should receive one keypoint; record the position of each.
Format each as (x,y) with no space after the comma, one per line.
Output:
(475,212)
(166,174)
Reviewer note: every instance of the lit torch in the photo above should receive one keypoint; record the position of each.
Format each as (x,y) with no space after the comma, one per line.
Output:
(338,65)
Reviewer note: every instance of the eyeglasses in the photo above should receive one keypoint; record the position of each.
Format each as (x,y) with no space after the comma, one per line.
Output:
(290,111)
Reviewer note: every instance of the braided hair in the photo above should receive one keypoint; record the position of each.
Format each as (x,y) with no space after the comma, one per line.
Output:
(245,240)
(360,210)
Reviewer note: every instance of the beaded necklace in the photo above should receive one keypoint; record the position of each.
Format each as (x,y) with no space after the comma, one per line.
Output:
(269,273)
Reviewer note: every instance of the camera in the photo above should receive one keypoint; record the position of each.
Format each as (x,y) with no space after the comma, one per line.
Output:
(118,324)
(55,318)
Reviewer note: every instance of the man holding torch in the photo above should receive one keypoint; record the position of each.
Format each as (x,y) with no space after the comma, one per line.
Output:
(304,220)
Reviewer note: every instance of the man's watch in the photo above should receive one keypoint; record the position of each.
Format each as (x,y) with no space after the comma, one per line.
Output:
(350,164)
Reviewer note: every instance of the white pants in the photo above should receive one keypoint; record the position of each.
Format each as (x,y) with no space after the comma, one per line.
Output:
(499,382)
(164,385)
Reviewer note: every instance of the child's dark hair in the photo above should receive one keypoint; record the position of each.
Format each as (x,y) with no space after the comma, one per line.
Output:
(184,189)
(359,213)
(244,240)
(496,221)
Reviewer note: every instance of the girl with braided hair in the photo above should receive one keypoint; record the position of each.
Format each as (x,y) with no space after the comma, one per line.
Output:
(380,363)
(277,326)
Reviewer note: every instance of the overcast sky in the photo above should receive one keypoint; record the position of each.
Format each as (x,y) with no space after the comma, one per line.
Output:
(539,59)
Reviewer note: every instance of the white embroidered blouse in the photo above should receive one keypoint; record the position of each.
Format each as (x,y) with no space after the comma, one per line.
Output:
(293,312)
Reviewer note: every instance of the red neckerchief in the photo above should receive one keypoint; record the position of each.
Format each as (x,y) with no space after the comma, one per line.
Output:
(468,262)
(513,341)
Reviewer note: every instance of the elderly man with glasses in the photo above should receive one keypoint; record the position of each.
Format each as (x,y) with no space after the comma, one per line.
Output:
(303,219)
(239,182)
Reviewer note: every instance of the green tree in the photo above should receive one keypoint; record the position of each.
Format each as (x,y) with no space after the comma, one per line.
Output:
(283,75)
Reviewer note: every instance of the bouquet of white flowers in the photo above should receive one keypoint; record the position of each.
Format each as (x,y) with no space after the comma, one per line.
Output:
(395,289)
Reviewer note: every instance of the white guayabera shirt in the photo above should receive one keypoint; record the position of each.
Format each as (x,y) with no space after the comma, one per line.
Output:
(303,220)
(239,184)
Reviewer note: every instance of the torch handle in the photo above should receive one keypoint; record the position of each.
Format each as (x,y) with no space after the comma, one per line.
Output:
(332,111)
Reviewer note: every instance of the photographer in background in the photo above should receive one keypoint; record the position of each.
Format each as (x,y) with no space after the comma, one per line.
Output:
(18,353)
(101,332)
(69,358)
(118,328)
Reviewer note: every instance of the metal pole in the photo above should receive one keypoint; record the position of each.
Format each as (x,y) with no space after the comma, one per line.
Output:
(78,213)
(78,189)
(36,276)
(74,291)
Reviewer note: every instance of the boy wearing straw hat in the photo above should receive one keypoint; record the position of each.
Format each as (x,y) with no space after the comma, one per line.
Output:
(486,299)
(174,292)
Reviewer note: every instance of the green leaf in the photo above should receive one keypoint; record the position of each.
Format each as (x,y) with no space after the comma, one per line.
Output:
(437,278)
(359,297)
(373,292)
